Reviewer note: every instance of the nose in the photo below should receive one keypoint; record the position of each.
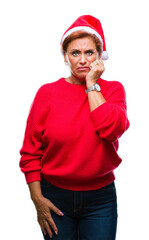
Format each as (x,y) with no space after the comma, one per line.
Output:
(82,59)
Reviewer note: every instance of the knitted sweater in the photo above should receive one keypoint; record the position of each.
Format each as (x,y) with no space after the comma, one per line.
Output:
(70,146)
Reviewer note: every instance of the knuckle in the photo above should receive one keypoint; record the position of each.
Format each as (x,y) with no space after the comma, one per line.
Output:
(47,215)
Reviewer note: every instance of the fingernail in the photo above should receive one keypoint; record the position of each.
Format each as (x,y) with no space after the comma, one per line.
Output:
(56,232)
(61,214)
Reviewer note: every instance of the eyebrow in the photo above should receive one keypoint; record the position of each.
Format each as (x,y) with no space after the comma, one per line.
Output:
(93,50)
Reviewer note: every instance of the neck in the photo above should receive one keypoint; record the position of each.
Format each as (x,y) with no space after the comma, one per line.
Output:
(74,80)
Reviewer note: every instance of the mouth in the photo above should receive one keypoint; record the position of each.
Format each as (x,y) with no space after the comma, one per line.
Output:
(82,68)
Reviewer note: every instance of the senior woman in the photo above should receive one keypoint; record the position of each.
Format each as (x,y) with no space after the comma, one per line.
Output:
(71,141)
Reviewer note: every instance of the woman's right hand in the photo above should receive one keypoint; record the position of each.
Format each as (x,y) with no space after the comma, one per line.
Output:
(45,220)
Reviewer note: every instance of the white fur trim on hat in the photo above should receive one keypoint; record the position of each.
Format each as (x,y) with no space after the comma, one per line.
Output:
(82,28)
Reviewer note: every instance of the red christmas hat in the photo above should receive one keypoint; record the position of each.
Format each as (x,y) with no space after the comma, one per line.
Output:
(91,25)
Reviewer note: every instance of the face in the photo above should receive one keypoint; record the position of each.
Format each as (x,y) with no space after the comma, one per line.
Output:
(80,54)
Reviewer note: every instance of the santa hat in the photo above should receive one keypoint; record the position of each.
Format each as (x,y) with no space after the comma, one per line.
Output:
(89,24)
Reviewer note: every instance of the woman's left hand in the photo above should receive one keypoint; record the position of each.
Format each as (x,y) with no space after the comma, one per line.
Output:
(96,70)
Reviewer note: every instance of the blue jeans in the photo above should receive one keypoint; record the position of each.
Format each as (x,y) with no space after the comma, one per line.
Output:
(88,215)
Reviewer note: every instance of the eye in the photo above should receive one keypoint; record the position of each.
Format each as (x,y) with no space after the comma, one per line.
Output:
(89,52)
(75,53)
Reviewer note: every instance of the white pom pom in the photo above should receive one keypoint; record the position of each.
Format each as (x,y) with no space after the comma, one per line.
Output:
(104,55)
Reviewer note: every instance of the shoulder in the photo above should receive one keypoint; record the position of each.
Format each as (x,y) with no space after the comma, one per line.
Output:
(111,84)
(112,88)
(41,100)
(48,86)
(45,90)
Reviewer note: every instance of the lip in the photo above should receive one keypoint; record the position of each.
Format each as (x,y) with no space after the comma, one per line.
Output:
(82,68)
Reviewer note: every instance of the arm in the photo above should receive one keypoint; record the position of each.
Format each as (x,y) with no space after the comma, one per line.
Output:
(95,98)
(109,116)
(30,163)
(35,191)
(32,149)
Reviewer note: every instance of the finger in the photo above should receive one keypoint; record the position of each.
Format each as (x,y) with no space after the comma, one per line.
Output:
(42,227)
(96,64)
(48,229)
(56,210)
(52,224)
(102,65)
(92,66)
(99,64)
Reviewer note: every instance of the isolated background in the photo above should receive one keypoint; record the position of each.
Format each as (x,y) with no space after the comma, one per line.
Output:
(29,57)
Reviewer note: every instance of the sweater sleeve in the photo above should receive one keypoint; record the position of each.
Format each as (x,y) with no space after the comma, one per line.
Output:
(110,119)
(32,149)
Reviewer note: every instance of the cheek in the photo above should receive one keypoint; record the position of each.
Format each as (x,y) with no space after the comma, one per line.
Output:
(92,58)
(73,63)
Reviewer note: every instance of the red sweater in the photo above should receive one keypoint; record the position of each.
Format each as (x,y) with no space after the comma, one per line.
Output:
(70,146)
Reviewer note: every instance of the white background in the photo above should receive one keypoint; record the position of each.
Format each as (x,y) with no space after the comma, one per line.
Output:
(30,32)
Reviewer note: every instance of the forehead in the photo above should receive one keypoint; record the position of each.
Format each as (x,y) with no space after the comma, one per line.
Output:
(82,44)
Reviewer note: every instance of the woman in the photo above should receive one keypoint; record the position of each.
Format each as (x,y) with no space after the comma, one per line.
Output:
(71,140)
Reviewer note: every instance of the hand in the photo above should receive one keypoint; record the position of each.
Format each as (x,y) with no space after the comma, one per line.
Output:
(97,68)
(44,207)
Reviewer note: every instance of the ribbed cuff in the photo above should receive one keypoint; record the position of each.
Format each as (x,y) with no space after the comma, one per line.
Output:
(33,176)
